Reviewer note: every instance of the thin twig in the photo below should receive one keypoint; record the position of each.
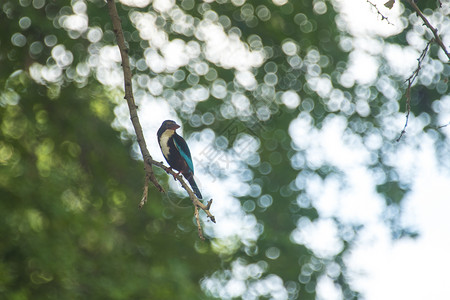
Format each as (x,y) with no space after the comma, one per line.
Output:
(383,17)
(148,160)
(410,81)
(408,107)
(414,75)
(442,126)
(428,24)
(145,193)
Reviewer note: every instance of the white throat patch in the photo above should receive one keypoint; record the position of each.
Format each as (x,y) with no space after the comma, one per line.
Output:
(163,141)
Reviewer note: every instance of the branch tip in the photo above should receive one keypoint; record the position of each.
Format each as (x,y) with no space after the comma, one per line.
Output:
(209,204)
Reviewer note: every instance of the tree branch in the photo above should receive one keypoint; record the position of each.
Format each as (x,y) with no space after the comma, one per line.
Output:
(148,160)
(428,24)
(195,201)
(442,126)
(145,193)
(410,81)
(379,13)
(414,75)
(129,94)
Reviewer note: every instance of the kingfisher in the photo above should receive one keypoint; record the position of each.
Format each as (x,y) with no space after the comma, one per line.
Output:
(176,152)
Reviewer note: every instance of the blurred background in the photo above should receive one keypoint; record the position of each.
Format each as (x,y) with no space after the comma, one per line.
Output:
(291,109)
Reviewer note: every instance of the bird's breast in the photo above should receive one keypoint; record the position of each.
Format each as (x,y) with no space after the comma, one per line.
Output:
(164,142)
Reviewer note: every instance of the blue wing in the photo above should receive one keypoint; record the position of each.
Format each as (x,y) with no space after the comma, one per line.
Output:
(183,148)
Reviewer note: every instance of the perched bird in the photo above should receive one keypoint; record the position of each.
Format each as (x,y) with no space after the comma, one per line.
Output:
(176,152)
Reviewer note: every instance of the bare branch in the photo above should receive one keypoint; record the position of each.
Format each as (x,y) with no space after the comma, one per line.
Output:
(408,109)
(442,126)
(199,226)
(428,24)
(145,193)
(194,199)
(410,81)
(129,93)
(148,160)
(383,17)
(414,75)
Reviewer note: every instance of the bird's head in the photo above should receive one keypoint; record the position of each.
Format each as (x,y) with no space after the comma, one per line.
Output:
(169,124)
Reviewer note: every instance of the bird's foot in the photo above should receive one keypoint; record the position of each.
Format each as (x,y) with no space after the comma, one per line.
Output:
(176,175)
(170,171)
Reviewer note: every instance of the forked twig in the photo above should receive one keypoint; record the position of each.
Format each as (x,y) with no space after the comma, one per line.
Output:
(443,126)
(410,81)
(437,39)
(383,17)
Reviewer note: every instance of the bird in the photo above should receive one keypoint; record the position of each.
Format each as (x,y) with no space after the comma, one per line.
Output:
(176,152)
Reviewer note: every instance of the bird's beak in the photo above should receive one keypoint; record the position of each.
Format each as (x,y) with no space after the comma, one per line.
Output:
(175,126)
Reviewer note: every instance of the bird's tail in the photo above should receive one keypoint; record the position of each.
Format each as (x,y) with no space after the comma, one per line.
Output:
(190,178)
